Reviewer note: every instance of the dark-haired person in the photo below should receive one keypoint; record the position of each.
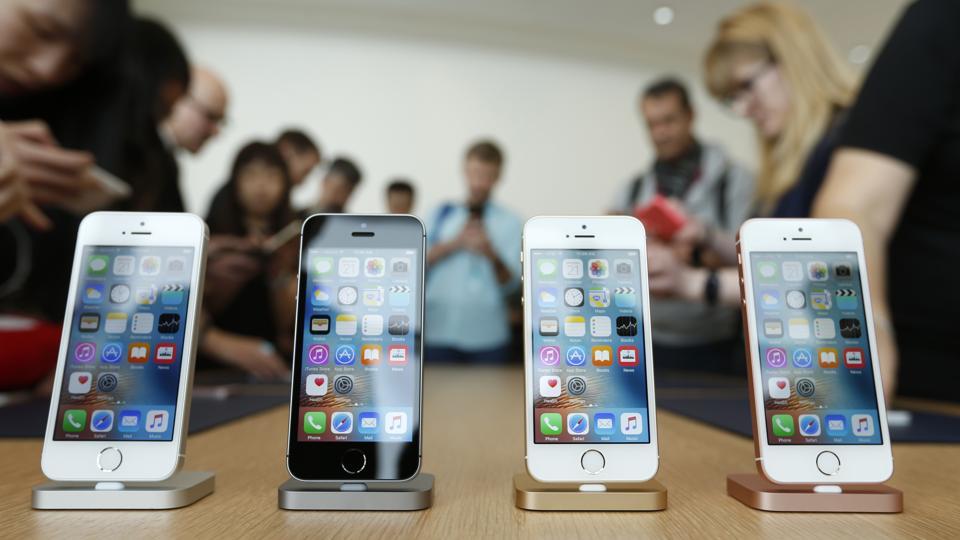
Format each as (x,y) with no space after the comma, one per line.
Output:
(242,327)
(400,197)
(340,181)
(717,193)
(473,266)
(198,115)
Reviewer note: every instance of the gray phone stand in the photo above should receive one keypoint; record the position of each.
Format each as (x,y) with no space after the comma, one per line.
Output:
(414,494)
(181,489)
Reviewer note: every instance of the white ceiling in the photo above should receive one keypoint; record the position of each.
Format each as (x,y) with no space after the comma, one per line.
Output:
(616,31)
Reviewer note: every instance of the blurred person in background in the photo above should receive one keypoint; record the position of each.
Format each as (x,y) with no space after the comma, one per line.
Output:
(473,265)
(895,175)
(400,196)
(339,182)
(304,157)
(198,116)
(716,193)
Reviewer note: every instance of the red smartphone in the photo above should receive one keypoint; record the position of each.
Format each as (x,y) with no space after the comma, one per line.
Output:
(660,218)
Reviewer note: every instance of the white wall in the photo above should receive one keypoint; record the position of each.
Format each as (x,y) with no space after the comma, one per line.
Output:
(407,107)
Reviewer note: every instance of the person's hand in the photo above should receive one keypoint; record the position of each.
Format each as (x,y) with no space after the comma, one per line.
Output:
(474,238)
(669,276)
(252,355)
(15,195)
(692,234)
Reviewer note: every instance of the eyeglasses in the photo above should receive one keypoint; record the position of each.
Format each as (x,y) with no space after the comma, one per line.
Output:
(744,89)
(212,116)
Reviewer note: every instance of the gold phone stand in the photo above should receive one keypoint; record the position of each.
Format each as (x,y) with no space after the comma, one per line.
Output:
(572,496)
(757,492)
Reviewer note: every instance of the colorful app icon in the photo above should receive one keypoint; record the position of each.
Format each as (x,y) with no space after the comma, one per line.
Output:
(166,353)
(129,421)
(820,299)
(551,424)
(798,328)
(74,420)
(792,271)
(773,328)
(796,299)
(372,297)
(157,421)
(782,425)
(321,266)
(341,423)
(80,382)
(576,385)
(371,325)
(827,358)
(320,325)
(802,358)
(316,384)
(628,356)
(604,423)
(817,271)
(346,325)
(600,326)
(574,326)
(120,293)
(809,425)
(850,328)
(97,265)
(112,352)
(141,323)
(631,423)
(84,352)
(572,269)
(374,267)
(347,296)
(547,268)
(776,357)
(805,387)
(345,355)
(836,425)
(89,322)
(547,296)
(573,297)
(578,424)
(116,323)
(123,265)
(549,326)
(172,294)
(93,293)
(602,355)
(107,382)
(854,358)
(550,386)
(398,325)
(169,323)
(400,265)
(397,355)
(138,353)
(368,423)
(598,268)
(314,422)
(149,265)
(767,270)
(627,326)
(101,421)
(769,298)
(399,296)
(370,355)
(349,267)
(318,354)
(549,355)
(778,388)
(824,328)
(846,299)
(625,297)
(576,356)
(321,296)
(599,297)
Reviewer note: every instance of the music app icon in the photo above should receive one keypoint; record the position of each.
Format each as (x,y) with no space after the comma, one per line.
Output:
(550,355)
(395,423)
(157,421)
(631,423)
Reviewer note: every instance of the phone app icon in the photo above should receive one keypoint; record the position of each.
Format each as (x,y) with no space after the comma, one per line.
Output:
(773,328)
(602,355)
(600,326)
(623,267)
(792,271)
(97,265)
(802,358)
(320,325)
(397,355)
(549,355)
(369,423)
(345,355)
(157,421)
(836,424)
(349,267)
(346,325)
(576,356)
(776,357)
(578,424)
(399,296)
(796,299)
(572,269)
(574,326)
(604,423)
(767,270)
(101,421)
(370,355)
(631,423)
(89,322)
(84,352)
(138,353)
(172,294)
(625,297)
(93,293)
(550,386)
(341,423)
(149,265)
(400,265)
(846,299)
(373,297)
(166,353)
(778,388)
(316,384)
(818,271)
(549,326)
(769,298)
(318,354)
(107,382)
(827,358)
(80,382)
(598,268)
(112,352)
(551,424)
(824,328)
(547,268)
(123,265)
(347,296)
(628,356)
(129,421)
(599,297)
(576,385)
(146,295)
(321,266)
(798,328)
(374,267)
(169,323)
(820,299)
(119,294)
(74,420)
(809,425)
(314,422)
(782,425)
(850,328)
(142,323)
(573,297)
(371,325)
(321,296)
(854,358)
(627,326)
(805,387)
(395,423)
(398,325)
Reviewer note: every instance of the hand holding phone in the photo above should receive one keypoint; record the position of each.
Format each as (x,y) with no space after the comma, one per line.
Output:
(661,218)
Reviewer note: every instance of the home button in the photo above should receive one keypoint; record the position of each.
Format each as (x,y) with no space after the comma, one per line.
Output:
(592,461)
(828,463)
(109,459)
(353,461)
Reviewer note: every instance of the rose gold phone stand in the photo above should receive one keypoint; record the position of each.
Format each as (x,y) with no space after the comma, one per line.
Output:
(181,489)
(414,494)
(575,497)
(757,492)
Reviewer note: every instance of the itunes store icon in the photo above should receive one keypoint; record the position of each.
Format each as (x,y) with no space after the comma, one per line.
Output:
(550,356)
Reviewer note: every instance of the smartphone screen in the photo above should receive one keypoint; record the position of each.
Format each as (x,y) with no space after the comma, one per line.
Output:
(123,360)
(815,364)
(589,366)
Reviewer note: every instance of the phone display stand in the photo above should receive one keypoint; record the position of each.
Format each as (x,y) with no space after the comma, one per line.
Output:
(572,496)
(757,492)
(414,494)
(182,489)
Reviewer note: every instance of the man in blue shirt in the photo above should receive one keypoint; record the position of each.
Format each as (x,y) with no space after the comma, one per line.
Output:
(473,264)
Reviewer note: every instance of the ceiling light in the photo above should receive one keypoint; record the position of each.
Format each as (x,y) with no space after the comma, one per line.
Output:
(859,54)
(663,15)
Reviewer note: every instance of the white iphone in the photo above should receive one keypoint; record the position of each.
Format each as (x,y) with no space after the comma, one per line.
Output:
(816,397)
(122,390)
(590,409)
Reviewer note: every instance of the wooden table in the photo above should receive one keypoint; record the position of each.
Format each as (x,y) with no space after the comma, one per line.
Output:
(474,444)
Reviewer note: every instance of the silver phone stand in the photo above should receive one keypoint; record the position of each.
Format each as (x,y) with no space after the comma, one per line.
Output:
(181,489)
(414,494)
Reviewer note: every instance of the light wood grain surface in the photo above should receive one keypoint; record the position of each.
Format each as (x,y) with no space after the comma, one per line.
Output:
(474,444)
